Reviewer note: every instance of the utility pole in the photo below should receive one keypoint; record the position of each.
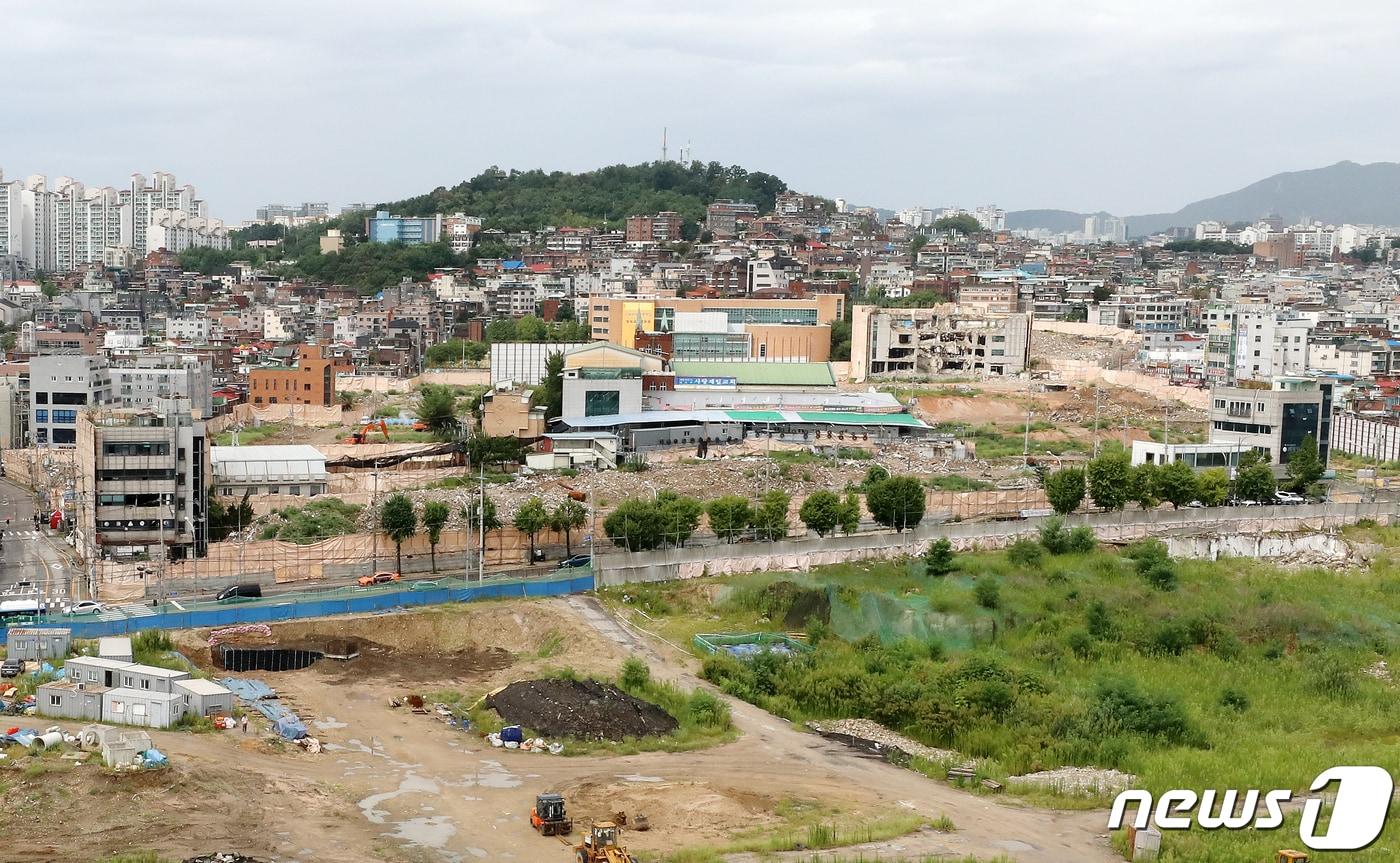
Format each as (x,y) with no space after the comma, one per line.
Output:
(481,514)
(1096,421)
(374,515)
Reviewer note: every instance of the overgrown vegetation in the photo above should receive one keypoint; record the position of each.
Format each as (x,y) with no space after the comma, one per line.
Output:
(1189,674)
(320,519)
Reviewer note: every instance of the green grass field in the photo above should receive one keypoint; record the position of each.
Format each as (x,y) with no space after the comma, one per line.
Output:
(1231,674)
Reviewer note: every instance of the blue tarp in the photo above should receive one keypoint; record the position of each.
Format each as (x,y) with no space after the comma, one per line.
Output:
(290,727)
(154,758)
(263,698)
(512,734)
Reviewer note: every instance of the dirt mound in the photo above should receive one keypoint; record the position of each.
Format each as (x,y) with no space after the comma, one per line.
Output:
(579,708)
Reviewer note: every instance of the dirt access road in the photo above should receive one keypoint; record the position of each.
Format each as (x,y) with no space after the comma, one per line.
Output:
(397,786)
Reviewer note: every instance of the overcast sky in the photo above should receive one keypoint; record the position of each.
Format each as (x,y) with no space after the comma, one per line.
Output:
(1126,106)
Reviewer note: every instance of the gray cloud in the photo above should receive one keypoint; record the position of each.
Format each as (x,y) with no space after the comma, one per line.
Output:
(1126,106)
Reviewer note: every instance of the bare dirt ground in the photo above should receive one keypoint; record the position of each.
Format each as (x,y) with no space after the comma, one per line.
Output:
(392,785)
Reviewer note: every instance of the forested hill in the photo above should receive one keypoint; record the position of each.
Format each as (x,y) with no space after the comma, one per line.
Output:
(529,200)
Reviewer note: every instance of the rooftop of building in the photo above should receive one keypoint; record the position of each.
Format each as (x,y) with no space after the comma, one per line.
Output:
(758,373)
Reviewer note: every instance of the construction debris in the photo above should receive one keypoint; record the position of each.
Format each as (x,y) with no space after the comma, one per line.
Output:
(1079,780)
(874,737)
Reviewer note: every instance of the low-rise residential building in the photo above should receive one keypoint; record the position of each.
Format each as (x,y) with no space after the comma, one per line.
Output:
(310,382)
(60,387)
(1276,420)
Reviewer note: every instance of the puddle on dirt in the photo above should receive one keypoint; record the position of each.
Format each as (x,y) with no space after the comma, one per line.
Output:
(637,777)
(494,775)
(410,784)
(431,832)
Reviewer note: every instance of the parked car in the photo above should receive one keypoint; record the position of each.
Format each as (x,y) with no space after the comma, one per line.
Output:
(1196,504)
(11,667)
(235,592)
(86,606)
(378,578)
(1238,502)
(577,560)
(1288,497)
(424,585)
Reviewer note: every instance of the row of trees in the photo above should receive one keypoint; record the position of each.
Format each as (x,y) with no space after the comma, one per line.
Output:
(399,522)
(1112,482)
(670,519)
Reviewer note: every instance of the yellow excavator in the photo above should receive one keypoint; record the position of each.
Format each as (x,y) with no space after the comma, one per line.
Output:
(601,845)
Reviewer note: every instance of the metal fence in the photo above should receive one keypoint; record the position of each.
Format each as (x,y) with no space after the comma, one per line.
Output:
(128,619)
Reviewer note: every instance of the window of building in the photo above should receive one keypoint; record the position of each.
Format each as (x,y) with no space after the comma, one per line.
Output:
(118,707)
(65,417)
(41,416)
(126,680)
(138,711)
(55,700)
(601,403)
(145,683)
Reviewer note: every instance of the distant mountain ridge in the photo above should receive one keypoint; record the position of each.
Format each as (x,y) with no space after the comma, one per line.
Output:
(1344,192)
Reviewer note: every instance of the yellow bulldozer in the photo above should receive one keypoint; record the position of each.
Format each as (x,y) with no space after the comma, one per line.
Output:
(602,845)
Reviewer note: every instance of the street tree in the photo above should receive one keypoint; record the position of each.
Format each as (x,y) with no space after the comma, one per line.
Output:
(1305,465)
(821,512)
(398,521)
(770,518)
(567,517)
(481,516)
(530,519)
(437,409)
(896,502)
(1065,489)
(1176,484)
(1256,482)
(435,514)
(1215,487)
(850,513)
(635,525)
(729,516)
(679,515)
(1108,480)
(1142,486)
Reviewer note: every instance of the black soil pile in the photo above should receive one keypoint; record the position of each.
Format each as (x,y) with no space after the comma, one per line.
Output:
(794,605)
(583,709)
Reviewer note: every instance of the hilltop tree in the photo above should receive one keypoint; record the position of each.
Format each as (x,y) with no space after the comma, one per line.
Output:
(821,512)
(435,514)
(398,521)
(567,517)
(962,223)
(530,519)
(896,502)
(550,393)
(1065,489)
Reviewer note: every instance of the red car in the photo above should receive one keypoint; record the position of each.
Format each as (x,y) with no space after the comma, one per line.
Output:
(378,578)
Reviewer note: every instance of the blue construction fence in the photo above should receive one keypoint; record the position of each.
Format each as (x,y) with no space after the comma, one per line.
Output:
(292,606)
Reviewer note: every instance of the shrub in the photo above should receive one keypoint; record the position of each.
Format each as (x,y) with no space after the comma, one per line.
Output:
(1099,622)
(1081,643)
(1025,552)
(988,593)
(1053,536)
(635,674)
(1120,705)
(705,710)
(1161,575)
(938,560)
(990,698)
(1171,638)
(1082,540)
(874,474)
(1234,699)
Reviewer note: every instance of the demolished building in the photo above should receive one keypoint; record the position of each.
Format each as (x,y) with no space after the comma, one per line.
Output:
(945,339)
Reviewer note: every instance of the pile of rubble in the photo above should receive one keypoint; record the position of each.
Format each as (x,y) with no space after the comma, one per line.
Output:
(864,730)
(1079,780)
(1102,352)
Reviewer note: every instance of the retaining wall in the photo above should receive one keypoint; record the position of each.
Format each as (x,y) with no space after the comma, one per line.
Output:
(1112,527)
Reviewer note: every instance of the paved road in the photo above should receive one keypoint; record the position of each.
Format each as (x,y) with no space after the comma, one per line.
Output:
(26,554)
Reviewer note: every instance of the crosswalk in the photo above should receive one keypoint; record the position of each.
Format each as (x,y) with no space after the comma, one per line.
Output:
(21,534)
(124,612)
